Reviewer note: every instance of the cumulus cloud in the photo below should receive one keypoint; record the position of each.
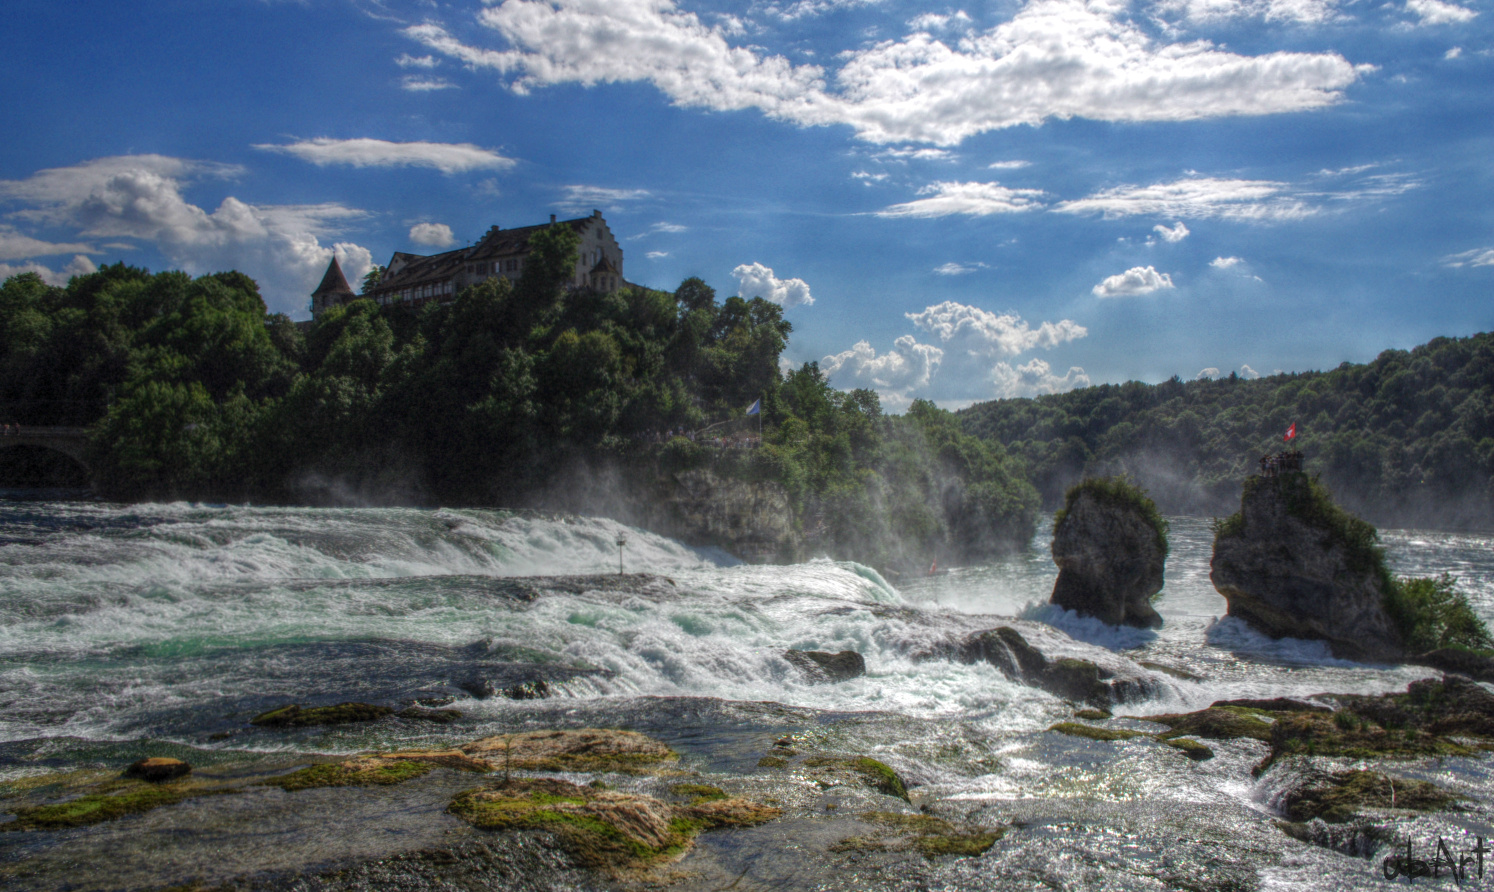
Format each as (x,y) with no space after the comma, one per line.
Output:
(139,197)
(756,280)
(1135,281)
(979,332)
(933,21)
(436,235)
(19,246)
(1193,198)
(1435,12)
(1306,12)
(1053,59)
(1476,257)
(415,84)
(78,266)
(580,199)
(958,269)
(1176,234)
(1249,373)
(449,158)
(908,366)
(1206,374)
(1225,262)
(971,199)
(1034,378)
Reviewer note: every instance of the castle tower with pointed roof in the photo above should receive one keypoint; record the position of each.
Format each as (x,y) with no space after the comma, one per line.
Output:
(334,290)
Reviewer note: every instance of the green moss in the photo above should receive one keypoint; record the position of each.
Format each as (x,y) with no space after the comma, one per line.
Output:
(99,807)
(1093,715)
(1312,734)
(1214,723)
(1191,748)
(878,775)
(1342,796)
(294,716)
(332,775)
(771,762)
(697,793)
(1074,729)
(928,835)
(964,845)
(1119,491)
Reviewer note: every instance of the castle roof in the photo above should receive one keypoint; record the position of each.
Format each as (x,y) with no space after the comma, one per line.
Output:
(333,282)
(407,270)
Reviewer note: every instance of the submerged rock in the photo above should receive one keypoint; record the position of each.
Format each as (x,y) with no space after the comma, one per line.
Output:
(1110,546)
(590,749)
(824,667)
(295,716)
(1337,798)
(1292,564)
(1072,679)
(158,769)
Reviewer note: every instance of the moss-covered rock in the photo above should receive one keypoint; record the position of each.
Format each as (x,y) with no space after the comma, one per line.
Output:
(1093,715)
(590,749)
(697,793)
(772,762)
(1075,729)
(295,716)
(1190,748)
(1350,736)
(365,772)
(602,828)
(928,835)
(1110,545)
(94,808)
(1337,798)
(438,716)
(158,769)
(1214,723)
(875,774)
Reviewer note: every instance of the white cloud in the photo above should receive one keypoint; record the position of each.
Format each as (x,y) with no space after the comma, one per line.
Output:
(1008,165)
(1435,12)
(436,235)
(802,8)
(905,153)
(1054,59)
(1453,53)
(18,246)
(657,228)
(1034,378)
(867,177)
(757,280)
(655,255)
(1476,257)
(1176,234)
(1249,373)
(980,332)
(581,199)
(958,269)
(1224,262)
(1206,374)
(1135,281)
(416,84)
(448,158)
(139,197)
(78,266)
(405,60)
(932,21)
(908,366)
(1306,12)
(972,199)
(1196,197)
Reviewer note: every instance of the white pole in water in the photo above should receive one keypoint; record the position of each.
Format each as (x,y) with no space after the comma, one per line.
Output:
(621,541)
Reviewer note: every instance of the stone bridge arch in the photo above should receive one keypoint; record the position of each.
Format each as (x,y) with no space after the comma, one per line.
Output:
(70,441)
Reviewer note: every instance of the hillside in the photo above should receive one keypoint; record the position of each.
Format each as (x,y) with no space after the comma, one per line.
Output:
(1405,440)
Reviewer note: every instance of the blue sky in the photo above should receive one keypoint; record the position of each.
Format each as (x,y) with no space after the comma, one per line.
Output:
(958,202)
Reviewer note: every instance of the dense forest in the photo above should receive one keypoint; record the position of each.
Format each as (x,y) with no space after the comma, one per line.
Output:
(191,390)
(1405,440)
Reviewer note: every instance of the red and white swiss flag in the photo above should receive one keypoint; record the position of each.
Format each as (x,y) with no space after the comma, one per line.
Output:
(1291,433)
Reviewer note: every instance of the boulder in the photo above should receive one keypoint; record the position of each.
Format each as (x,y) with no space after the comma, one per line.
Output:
(1110,554)
(822,667)
(158,769)
(1073,679)
(1291,564)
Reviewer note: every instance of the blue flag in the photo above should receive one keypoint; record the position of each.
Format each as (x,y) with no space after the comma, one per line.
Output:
(756,407)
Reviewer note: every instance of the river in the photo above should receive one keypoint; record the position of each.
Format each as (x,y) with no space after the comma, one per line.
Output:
(160,628)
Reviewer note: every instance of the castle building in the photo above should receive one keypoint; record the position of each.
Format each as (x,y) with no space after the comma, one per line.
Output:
(417,279)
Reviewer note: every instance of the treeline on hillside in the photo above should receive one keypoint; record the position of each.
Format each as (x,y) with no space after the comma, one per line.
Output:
(1405,440)
(192,390)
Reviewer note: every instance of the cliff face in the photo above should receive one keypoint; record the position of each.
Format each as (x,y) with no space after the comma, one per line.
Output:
(1109,562)
(1291,574)
(753,520)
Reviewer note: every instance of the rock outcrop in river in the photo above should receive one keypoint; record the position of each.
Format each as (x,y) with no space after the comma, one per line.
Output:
(1110,546)
(1293,564)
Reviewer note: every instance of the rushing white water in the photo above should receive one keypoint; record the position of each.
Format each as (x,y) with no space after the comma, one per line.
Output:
(119,621)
